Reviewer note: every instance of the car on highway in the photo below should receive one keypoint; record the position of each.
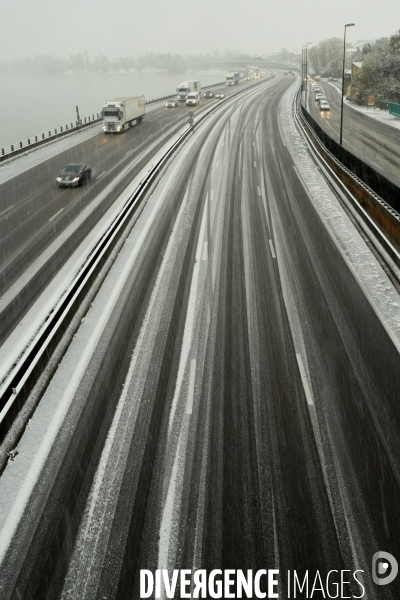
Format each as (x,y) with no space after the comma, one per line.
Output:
(220,95)
(73,175)
(208,94)
(324,105)
(318,96)
(171,104)
(193,99)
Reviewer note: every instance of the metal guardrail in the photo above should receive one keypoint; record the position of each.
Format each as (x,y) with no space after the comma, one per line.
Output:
(42,138)
(52,134)
(18,383)
(382,186)
(20,380)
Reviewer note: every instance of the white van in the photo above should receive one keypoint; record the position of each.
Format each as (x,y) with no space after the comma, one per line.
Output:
(193,99)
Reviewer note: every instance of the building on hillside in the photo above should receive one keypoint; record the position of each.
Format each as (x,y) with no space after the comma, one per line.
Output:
(347,82)
(352,87)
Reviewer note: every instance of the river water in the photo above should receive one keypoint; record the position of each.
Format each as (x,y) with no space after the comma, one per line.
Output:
(34,104)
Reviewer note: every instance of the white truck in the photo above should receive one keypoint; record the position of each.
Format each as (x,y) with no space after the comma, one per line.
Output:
(232,78)
(186,87)
(120,113)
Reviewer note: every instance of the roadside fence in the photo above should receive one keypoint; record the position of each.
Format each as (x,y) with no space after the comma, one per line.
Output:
(52,134)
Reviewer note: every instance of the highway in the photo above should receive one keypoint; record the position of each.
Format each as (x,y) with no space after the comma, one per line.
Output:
(230,400)
(35,212)
(376,143)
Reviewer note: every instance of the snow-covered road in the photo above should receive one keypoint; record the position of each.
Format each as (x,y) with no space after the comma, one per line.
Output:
(230,400)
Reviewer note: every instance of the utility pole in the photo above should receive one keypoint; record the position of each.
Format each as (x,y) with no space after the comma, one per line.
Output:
(344,55)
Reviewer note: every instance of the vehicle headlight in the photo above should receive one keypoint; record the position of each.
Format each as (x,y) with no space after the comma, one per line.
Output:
(104,127)
(58,179)
(75,179)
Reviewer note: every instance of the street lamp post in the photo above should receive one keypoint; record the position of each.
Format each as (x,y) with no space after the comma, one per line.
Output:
(308,43)
(344,55)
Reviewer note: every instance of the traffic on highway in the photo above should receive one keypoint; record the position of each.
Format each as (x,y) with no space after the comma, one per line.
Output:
(199,344)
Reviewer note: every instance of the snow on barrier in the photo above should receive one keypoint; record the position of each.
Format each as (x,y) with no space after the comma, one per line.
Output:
(361,196)
(42,138)
(381,185)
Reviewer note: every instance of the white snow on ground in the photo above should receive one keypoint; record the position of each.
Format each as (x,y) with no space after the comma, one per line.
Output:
(12,349)
(31,158)
(55,418)
(50,419)
(14,346)
(172,504)
(108,477)
(377,114)
(373,279)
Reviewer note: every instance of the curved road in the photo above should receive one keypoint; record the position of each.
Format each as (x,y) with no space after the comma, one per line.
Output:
(34,212)
(230,401)
(371,140)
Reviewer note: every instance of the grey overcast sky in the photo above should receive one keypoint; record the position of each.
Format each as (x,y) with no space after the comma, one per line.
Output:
(134,27)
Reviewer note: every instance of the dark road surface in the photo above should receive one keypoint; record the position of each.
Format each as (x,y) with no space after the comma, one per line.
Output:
(34,212)
(376,143)
(230,402)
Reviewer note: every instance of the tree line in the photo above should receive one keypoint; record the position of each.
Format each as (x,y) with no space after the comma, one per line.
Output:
(82,63)
(380,72)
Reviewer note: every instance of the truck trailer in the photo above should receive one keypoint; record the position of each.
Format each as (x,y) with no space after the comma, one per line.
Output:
(120,113)
(186,87)
(232,78)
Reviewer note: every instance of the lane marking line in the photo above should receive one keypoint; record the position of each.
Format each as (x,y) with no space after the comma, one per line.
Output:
(205,250)
(212,194)
(272,249)
(190,396)
(6,210)
(129,151)
(255,163)
(101,175)
(259,191)
(57,213)
(307,390)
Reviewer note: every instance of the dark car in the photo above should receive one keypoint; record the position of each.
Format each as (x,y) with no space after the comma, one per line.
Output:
(73,175)
(208,94)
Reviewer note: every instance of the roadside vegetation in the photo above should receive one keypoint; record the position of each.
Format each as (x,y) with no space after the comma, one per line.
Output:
(380,72)
(82,63)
